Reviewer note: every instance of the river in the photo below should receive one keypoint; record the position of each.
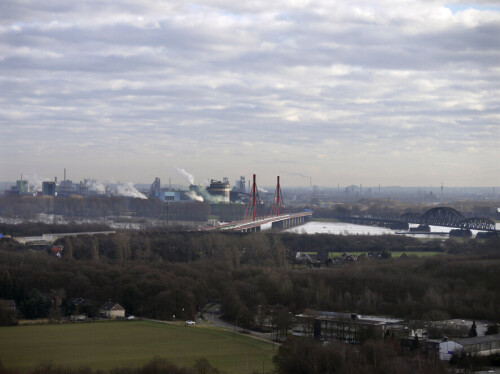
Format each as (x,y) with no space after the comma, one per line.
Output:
(323,227)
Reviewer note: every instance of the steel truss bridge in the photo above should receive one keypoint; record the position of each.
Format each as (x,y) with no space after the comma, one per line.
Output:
(449,217)
(253,220)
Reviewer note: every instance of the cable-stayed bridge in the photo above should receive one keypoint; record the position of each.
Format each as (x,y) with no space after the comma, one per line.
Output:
(253,221)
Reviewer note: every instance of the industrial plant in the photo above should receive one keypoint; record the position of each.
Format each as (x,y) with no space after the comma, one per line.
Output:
(216,192)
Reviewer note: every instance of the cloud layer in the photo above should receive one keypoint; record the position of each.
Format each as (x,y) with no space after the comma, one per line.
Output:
(392,92)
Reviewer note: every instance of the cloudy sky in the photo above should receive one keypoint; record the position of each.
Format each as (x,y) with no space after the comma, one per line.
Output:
(391,92)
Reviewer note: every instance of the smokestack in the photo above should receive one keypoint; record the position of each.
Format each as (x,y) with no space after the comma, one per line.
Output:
(64,173)
(55,180)
(310,182)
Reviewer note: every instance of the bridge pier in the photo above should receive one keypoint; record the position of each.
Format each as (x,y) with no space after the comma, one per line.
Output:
(290,222)
(252,229)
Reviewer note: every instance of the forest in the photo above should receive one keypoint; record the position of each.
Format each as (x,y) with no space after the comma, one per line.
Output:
(159,273)
(255,277)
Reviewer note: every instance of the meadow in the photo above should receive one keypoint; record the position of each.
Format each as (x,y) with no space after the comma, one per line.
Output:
(107,345)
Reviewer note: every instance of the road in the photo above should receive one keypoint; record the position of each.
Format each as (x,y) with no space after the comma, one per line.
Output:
(212,317)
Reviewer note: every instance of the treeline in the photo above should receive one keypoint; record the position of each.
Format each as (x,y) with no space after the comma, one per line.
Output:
(155,366)
(308,356)
(358,243)
(393,209)
(162,274)
(273,249)
(37,229)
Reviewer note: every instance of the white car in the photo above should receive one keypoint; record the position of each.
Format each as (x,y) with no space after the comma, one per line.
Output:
(190,323)
(131,317)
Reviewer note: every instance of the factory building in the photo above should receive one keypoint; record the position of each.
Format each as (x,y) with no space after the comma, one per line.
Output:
(66,187)
(22,187)
(49,188)
(222,189)
(163,194)
(240,185)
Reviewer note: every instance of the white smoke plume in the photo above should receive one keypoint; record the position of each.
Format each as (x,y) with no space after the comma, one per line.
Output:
(95,186)
(263,190)
(35,182)
(211,198)
(298,175)
(128,189)
(185,174)
(193,196)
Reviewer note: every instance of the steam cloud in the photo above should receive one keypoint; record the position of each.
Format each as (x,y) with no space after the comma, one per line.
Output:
(185,174)
(95,186)
(35,182)
(193,196)
(128,189)
(299,175)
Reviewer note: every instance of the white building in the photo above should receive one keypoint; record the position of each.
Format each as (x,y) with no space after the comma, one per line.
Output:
(480,346)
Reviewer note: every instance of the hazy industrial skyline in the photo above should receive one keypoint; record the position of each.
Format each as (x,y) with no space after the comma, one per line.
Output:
(345,92)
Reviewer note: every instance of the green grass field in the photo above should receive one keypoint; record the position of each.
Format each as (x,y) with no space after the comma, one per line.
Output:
(105,345)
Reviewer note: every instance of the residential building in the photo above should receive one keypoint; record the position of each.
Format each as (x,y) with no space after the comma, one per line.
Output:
(111,310)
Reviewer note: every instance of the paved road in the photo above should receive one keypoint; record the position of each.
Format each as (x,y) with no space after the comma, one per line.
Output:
(211,317)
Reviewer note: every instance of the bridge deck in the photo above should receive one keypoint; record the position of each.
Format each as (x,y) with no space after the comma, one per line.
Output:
(244,225)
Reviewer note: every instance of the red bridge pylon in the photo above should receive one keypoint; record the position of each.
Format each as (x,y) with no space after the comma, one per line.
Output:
(253,203)
(277,201)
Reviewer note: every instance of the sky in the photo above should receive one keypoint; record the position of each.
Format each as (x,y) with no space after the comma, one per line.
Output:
(337,92)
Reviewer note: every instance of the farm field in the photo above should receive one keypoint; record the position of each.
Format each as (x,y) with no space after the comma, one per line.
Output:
(106,345)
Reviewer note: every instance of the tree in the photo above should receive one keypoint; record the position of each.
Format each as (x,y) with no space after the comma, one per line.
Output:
(473,329)
(202,366)
(68,249)
(95,250)
(8,316)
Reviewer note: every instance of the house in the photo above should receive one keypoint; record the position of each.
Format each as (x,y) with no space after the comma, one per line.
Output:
(476,346)
(56,250)
(111,310)
(82,307)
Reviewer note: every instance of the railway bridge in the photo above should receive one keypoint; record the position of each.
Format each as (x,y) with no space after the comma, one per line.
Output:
(439,216)
(448,217)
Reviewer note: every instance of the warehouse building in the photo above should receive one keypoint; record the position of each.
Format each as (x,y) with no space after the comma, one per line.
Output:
(476,346)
